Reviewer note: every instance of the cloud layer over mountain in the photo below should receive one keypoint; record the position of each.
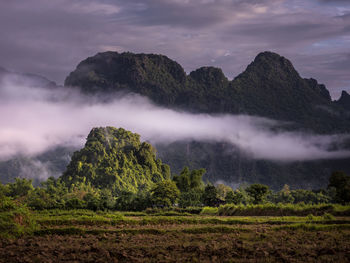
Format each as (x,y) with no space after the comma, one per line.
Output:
(35,119)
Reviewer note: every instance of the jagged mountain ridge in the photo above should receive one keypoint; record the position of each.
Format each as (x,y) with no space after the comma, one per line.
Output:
(269,87)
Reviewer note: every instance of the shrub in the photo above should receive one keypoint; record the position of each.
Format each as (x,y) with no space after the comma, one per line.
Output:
(15,220)
(328,216)
(257,192)
(75,203)
(191,198)
(209,210)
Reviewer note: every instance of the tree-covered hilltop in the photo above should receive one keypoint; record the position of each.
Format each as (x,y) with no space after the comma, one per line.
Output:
(115,159)
(269,87)
(154,76)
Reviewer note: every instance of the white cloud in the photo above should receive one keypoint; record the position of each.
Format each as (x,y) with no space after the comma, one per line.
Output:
(34,120)
(93,7)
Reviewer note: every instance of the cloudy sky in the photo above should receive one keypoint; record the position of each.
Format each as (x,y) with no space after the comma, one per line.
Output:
(51,37)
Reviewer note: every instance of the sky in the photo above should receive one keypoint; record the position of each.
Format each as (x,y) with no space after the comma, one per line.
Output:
(51,37)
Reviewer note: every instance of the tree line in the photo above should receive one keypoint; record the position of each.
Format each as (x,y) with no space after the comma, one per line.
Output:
(186,189)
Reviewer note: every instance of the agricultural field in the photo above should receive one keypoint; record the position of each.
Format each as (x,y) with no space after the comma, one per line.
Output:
(88,236)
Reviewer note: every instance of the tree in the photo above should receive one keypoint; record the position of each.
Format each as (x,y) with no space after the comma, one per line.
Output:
(257,192)
(92,201)
(284,196)
(341,182)
(141,201)
(124,201)
(309,197)
(223,190)
(20,187)
(55,187)
(191,198)
(39,199)
(4,190)
(234,197)
(75,203)
(196,178)
(189,180)
(106,199)
(165,193)
(210,195)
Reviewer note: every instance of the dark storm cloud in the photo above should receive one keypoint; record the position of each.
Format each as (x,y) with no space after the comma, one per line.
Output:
(51,37)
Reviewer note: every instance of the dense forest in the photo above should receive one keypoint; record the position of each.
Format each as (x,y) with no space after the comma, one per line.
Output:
(115,170)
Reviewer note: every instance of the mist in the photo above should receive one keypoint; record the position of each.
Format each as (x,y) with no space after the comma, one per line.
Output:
(35,119)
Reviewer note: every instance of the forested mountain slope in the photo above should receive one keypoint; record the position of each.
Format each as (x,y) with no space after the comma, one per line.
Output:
(269,87)
(115,159)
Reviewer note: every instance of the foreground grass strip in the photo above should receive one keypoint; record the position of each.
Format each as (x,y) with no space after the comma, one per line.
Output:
(148,231)
(213,229)
(162,220)
(88,222)
(313,227)
(283,210)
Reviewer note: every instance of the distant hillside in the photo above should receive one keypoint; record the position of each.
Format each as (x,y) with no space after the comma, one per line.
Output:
(27,79)
(52,162)
(116,159)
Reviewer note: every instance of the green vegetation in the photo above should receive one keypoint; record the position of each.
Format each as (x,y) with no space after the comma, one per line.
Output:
(15,219)
(190,184)
(115,159)
(183,193)
(257,192)
(341,183)
(165,194)
(283,210)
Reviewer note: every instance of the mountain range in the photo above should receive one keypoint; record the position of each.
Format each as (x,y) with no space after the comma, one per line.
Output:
(269,87)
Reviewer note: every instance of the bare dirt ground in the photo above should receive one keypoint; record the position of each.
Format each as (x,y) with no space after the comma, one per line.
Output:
(252,244)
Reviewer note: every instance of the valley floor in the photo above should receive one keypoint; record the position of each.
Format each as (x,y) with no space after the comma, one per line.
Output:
(85,236)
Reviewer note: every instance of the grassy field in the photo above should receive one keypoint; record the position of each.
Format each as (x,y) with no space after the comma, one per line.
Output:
(87,236)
